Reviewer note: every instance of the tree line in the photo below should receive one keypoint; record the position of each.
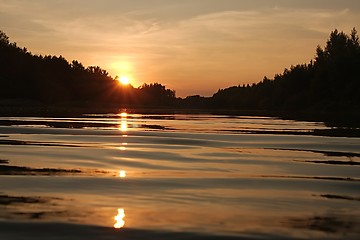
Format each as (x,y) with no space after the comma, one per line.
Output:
(329,83)
(50,79)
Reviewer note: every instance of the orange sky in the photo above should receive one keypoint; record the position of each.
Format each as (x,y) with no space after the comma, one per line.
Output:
(191,46)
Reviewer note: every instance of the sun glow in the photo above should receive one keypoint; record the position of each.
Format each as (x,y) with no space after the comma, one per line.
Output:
(125,80)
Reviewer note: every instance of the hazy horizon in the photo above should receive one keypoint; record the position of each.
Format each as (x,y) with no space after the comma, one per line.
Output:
(193,47)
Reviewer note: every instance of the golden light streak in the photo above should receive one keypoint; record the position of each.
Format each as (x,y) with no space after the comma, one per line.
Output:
(122,173)
(119,218)
(123,126)
(123,147)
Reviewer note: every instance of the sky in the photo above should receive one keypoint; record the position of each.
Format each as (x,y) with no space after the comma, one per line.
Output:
(190,46)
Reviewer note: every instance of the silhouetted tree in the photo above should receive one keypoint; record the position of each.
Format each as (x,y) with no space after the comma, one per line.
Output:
(156,94)
(330,82)
(4,39)
(51,79)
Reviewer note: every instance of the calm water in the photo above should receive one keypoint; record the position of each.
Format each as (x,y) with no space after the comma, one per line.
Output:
(133,176)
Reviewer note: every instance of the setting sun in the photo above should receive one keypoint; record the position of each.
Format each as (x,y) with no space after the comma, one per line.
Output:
(124,80)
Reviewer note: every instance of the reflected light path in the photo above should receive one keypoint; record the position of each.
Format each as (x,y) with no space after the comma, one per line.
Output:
(122,173)
(123,147)
(123,128)
(119,218)
(123,124)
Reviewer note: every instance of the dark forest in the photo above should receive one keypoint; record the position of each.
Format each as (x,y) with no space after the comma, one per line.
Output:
(329,83)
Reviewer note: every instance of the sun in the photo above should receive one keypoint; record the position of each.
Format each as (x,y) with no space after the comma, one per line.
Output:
(124,80)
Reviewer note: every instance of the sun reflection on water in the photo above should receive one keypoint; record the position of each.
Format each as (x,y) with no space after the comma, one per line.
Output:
(122,173)
(123,147)
(123,124)
(123,128)
(123,115)
(119,218)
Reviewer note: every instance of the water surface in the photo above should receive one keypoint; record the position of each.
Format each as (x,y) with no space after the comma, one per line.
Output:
(136,176)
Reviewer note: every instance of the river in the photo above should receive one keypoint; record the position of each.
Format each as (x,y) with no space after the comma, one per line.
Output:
(176,176)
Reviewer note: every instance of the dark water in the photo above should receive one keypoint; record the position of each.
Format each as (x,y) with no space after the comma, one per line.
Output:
(176,177)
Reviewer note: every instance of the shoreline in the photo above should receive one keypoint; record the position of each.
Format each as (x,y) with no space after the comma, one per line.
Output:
(334,119)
